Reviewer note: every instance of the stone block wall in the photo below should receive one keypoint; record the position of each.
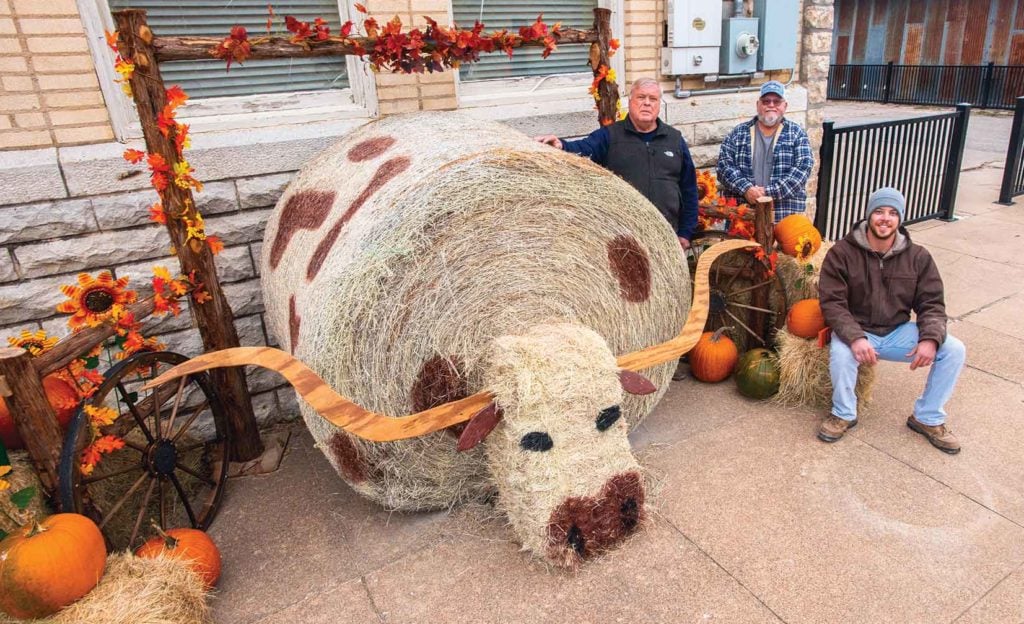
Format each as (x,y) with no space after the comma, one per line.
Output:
(49,93)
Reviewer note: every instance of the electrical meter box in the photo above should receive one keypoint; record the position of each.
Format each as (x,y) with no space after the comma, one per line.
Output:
(778,33)
(694,34)
(740,44)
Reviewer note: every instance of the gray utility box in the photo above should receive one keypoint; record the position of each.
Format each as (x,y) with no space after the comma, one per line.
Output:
(740,44)
(778,33)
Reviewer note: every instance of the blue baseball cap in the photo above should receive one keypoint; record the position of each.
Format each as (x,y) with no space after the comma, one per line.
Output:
(773,86)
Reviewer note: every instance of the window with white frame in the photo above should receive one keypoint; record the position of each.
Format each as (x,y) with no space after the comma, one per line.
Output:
(258,93)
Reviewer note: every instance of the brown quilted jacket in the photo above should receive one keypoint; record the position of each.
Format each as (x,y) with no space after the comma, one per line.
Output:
(861,290)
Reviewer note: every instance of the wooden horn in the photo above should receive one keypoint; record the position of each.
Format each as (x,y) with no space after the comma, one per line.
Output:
(337,409)
(694,327)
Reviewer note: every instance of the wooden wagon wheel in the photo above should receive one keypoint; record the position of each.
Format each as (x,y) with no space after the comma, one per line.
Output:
(173,466)
(734,279)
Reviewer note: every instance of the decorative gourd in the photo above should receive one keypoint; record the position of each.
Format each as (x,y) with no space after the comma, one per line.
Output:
(804,319)
(797,231)
(757,374)
(47,565)
(713,357)
(62,396)
(190,545)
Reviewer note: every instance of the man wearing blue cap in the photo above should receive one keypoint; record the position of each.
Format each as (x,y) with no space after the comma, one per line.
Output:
(767,156)
(869,283)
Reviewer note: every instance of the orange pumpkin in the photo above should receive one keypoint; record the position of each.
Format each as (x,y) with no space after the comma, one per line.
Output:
(789,231)
(62,396)
(713,357)
(47,565)
(804,319)
(190,545)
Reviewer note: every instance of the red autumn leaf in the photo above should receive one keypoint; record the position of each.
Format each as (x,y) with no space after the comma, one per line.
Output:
(613,44)
(360,8)
(346,29)
(90,456)
(370,26)
(134,156)
(235,47)
(216,246)
(108,443)
(176,96)
(322,30)
(159,181)
(156,213)
(180,136)
(165,120)
(156,163)
(201,296)
(111,39)
(301,29)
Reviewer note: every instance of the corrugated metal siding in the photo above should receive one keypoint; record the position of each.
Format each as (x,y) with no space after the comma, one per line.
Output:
(951,32)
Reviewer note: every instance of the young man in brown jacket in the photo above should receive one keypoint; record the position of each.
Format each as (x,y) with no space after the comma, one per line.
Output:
(869,284)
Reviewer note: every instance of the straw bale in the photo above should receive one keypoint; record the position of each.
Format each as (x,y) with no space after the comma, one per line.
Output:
(804,379)
(398,255)
(799,282)
(22,475)
(138,591)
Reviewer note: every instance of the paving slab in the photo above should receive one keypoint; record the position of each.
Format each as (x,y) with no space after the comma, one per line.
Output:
(833,533)
(987,415)
(1003,605)
(300,531)
(973,282)
(341,602)
(990,350)
(1003,316)
(657,576)
(997,240)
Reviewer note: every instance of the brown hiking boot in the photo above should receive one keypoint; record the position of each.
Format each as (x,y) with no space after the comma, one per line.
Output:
(833,427)
(682,371)
(940,436)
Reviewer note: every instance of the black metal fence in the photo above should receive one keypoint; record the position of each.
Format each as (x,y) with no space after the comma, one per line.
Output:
(982,86)
(1013,170)
(919,156)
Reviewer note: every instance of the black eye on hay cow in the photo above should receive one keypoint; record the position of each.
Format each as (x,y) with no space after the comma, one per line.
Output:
(454,269)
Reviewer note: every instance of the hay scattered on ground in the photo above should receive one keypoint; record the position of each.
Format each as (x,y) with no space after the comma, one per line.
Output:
(804,379)
(799,282)
(138,591)
(22,475)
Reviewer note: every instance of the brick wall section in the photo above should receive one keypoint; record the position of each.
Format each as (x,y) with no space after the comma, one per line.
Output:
(45,244)
(49,93)
(815,52)
(642,39)
(399,93)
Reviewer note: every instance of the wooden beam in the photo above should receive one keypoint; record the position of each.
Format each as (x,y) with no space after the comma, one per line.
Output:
(608,91)
(33,416)
(214,317)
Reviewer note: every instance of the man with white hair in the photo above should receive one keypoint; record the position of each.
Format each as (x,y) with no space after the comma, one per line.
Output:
(869,284)
(767,156)
(649,154)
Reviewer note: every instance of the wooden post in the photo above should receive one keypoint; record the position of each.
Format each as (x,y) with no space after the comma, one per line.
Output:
(764,224)
(32,414)
(215,319)
(608,105)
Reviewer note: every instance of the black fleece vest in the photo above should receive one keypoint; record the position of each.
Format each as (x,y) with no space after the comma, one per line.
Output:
(652,168)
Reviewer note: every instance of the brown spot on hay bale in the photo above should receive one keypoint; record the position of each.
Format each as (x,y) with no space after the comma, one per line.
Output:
(628,262)
(583,526)
(386,172)
(347,458)
(294,320)
(370,148)
(306,210)
(440,380)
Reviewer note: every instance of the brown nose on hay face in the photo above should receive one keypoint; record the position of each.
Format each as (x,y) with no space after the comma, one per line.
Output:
(443,234)
(566,477)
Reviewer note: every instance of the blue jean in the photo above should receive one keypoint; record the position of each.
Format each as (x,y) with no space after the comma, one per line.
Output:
(928,409)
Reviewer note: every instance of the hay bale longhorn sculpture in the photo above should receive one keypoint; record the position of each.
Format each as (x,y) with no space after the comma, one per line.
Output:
(451,268)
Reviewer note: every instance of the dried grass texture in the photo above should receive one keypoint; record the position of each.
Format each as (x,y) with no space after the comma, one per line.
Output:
(483,233)
(804,379)
(22,475)
(556,379)
(138,591)
(798,282)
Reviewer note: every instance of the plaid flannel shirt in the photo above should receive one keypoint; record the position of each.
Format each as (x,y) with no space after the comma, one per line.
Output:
(791,166)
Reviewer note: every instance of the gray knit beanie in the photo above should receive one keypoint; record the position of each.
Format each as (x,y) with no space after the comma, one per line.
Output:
(888,196)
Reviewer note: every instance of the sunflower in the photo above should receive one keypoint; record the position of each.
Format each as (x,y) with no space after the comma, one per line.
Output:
(707,186)
(94,300)
(35,343)
(804,249)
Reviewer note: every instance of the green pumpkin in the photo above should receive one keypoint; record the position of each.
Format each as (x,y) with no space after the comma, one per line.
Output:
(757,374)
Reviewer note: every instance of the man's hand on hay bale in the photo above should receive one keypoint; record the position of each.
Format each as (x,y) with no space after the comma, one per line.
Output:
(549,139)
(684,243)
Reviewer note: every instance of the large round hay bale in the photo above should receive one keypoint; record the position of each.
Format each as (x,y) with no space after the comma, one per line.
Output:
(395,257)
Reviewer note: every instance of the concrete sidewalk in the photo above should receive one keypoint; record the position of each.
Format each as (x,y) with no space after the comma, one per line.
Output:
(753,519)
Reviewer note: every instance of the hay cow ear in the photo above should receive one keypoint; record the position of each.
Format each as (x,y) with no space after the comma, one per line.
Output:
(478,427)
(635,383)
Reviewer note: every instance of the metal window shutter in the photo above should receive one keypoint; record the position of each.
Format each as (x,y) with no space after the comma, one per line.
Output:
(202,18)
(511,14)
